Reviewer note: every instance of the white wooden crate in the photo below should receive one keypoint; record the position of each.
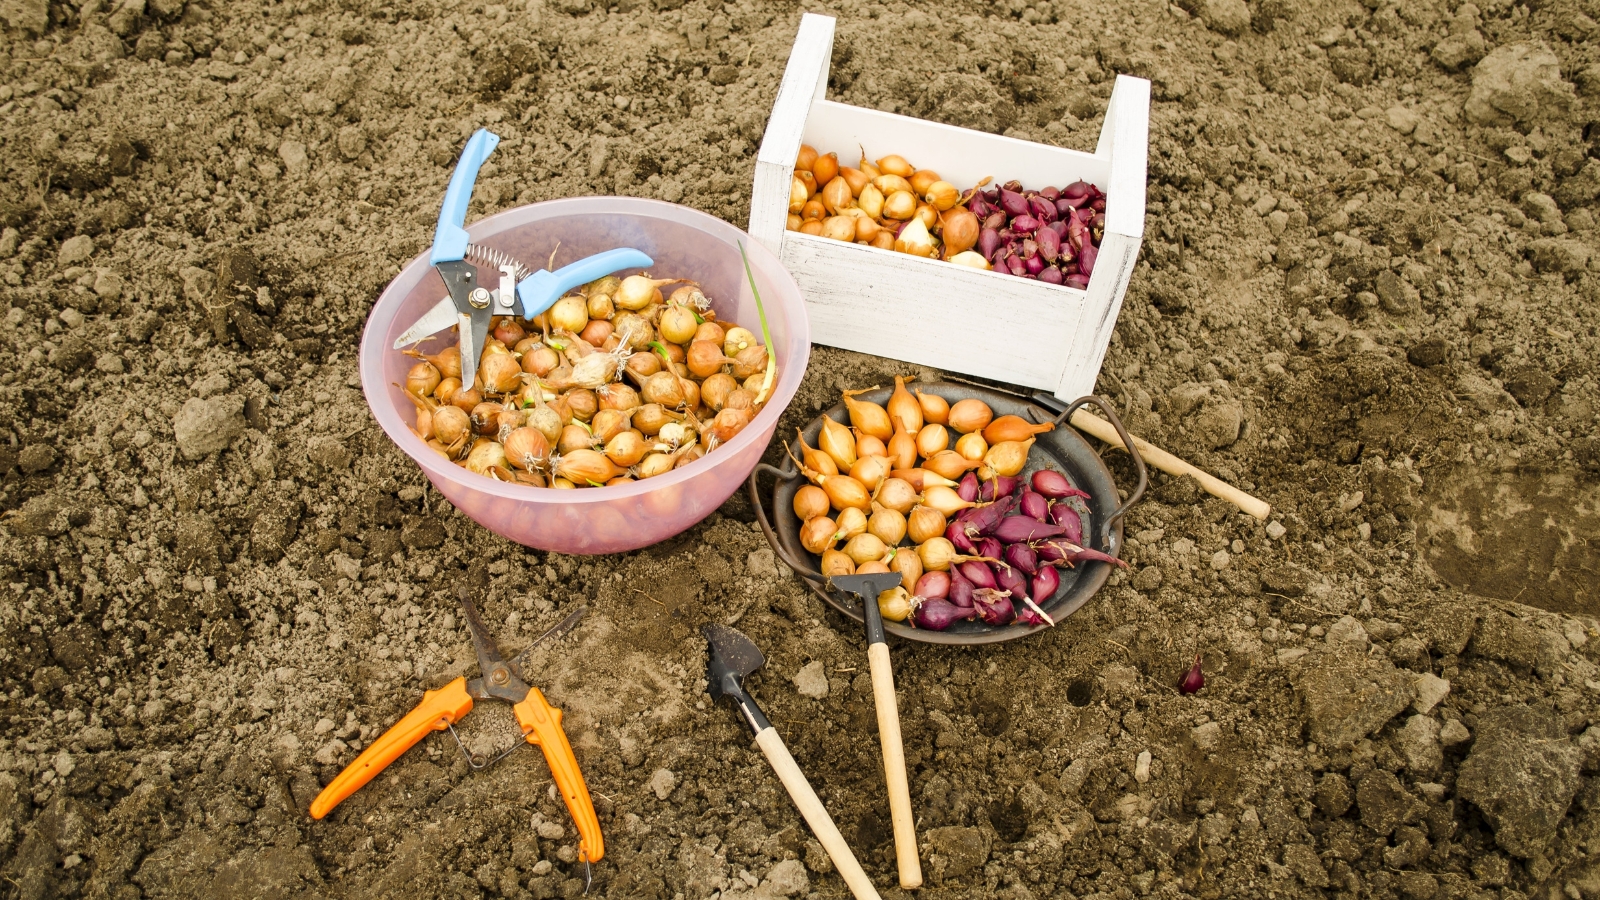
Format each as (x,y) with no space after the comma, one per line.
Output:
(1010,329)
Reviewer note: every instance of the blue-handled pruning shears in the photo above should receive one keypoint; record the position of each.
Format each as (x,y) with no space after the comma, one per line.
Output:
(471,303)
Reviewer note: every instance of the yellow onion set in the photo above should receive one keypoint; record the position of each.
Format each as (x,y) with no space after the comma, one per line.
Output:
(889,204)
(612,384)
(885,489)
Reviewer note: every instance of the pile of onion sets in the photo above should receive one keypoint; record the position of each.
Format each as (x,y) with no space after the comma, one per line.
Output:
(935,492)
(614,383)
(1051,235)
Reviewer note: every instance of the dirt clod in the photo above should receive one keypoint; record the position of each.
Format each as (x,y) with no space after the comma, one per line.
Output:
(1523,773)
(207,425)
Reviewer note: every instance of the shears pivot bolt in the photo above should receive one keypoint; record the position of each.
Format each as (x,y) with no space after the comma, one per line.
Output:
(479,298)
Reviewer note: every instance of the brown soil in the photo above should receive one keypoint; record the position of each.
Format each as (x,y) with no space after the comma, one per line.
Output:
(1369,294)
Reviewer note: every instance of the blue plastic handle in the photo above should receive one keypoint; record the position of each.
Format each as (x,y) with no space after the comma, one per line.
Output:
(539,291)
(450,238)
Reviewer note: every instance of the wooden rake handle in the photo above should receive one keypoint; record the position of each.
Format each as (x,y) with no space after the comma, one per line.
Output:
(1087,422)
(816,815)
(894,767)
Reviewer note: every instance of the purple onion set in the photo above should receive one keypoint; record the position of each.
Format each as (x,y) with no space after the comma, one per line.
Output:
(1194,679)
(1051,235)
(1015,546)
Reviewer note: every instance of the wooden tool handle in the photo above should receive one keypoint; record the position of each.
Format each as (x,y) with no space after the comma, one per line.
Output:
(1085,421)
(894,767)
(541,724)
(816,815)
(437,710)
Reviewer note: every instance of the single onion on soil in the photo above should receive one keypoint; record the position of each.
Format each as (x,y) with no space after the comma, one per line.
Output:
(1194,679)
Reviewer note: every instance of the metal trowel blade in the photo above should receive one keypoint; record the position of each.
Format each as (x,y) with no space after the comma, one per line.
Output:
(733,656)
(867,587)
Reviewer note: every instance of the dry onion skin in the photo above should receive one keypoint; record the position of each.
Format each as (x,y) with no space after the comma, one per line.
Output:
(615,383)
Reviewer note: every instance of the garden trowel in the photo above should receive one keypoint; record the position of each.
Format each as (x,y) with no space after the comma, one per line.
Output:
(734,656)
(868,587)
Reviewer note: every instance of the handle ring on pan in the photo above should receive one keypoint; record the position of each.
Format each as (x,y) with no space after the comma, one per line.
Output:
(1127,442)
(804,571)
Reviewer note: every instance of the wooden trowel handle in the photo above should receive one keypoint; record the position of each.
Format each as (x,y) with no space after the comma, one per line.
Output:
(894,767)
(816,815)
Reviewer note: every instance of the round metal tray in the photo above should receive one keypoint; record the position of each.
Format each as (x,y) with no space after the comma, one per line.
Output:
(1062,449)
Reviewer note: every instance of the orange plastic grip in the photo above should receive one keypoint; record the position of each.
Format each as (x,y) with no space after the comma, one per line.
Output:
(542,724)
(438,708)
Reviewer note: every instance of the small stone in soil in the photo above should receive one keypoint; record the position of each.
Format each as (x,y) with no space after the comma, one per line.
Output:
(662,782)
(812,680)
(1419,743)
(1430,690)
(207,426)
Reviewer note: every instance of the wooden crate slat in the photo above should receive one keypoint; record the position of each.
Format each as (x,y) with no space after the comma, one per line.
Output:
(925,311)
(961,156)
(804,82)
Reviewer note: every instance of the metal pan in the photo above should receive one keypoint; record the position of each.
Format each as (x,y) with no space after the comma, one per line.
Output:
(1063,449)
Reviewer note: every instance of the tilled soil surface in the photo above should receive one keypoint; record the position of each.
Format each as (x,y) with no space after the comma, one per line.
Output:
(1369,293)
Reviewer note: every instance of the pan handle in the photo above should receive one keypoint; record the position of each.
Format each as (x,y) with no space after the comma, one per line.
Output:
(800,569)
(1127,441)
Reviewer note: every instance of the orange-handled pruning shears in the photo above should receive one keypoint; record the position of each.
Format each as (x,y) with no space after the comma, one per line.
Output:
(441,709)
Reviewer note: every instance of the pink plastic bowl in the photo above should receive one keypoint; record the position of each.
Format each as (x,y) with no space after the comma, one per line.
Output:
(684,243)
